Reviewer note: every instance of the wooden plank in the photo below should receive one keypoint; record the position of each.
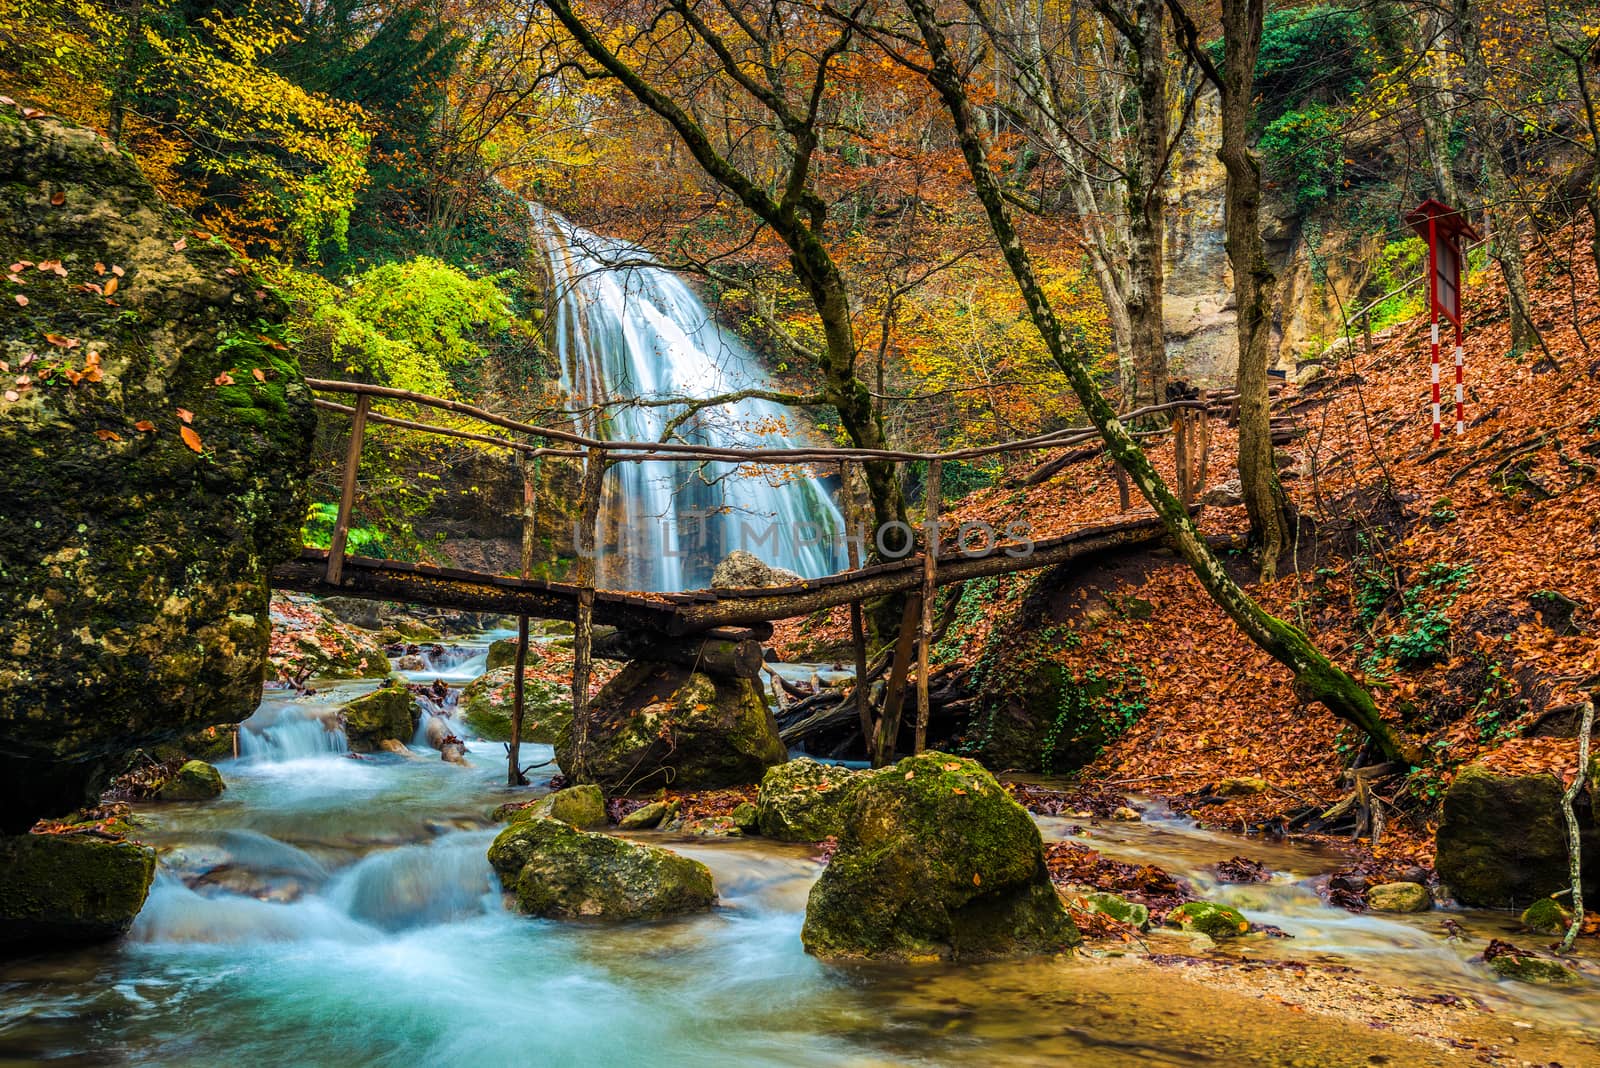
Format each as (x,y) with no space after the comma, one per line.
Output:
(347,490)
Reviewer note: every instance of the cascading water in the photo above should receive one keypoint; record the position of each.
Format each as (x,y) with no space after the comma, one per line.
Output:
(625,328)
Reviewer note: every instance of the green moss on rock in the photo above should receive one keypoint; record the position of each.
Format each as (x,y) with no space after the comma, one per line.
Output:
(1399,897)
(581,806)
(194,781)
(558,871)
(1210,919)
(1547,916)
(935,862)
(803,800)
(1502,842)
(503,653)
(648,816)
(1531,969)
(61,889)
(133,594)
(1120,909)
(657,723)
(387,712)
(486,704)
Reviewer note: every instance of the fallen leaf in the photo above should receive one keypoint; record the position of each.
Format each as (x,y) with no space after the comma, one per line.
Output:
(204,235)
(15,278)
(111,286)
(99,268)
(31,113)
(19,265)
(7,101)
(57,199)
(59,342)
(258,374)
(178,246)
(224,379)
(12,395)
(22,300)
(145,426)
(186,415)
(118,271)
(190,438)
(107,435)
(910,775)
(977,880)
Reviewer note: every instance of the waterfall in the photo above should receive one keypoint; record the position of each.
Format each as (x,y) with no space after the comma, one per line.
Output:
(291,729)
(625,328)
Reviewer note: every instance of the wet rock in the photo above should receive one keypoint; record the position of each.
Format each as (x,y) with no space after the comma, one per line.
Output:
(358,611)
(558,871)
(803,800)
(650,816)
(1399,897)
(133,608)
(395,746)
(657,723)
(1125,814)
(194,781)
(486,705)
(1547,916)
(580,806)
(1120,909)
(935,861)
(1529,968)
(387,712)
(1210,919)
(1502,842)
(60,889)
(453,750)
(743,570)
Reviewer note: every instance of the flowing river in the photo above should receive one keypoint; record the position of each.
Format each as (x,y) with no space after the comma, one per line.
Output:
(330,910)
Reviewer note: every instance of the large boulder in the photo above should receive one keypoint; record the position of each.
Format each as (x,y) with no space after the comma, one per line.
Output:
(935,862)
(387,712)
(580,806)
(503,653)
(1502,841)
(657,724)
(558,871)
(743,570)
(803,801)
(195,780)
(145,496)
(57,889)
(486,702)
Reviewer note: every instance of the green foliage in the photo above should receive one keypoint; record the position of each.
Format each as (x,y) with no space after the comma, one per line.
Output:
(410,325)
(317,532)
(1311,53)
(1424,631)
(1305,150)
(1399,263)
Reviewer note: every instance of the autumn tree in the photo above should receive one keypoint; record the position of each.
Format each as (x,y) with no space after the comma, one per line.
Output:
(1315,675)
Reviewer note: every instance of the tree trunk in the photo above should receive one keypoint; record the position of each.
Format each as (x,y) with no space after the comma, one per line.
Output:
(1318,677)
(1497,186)
(1147,209)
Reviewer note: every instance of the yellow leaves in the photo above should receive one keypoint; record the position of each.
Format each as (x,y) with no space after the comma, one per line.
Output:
(190,438)
(145,426)
(57,199)
(107,435)
(110,287)
(977,879)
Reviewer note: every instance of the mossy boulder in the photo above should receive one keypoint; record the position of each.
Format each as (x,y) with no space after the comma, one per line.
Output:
(1241,786)
(656,723)
(746,818)
(935,862)
(1120,909)
(1502,841)
(1528,968)
(648,816)
(1547,916)
(330,651)
(1210,919)
(581,806)
(503,653)
(387,712)
(486,702)
(1399,897)
(194,781)
(556,870)
(133,562)
(803,801)
(59,889)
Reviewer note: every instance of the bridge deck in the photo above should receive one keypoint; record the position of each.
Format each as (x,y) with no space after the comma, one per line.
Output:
(696,610)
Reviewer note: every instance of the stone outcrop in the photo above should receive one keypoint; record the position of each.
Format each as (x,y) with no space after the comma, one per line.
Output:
(745,570)
(935,862)
(1502,842)
(486,705)
(657,724)
(156,436)
(194,781)
(558,871)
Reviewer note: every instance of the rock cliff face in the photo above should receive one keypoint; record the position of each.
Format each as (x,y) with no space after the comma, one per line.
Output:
(155,432)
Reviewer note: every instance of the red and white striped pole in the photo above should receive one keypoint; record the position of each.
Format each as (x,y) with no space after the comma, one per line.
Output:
(1435,327)
(1461,402)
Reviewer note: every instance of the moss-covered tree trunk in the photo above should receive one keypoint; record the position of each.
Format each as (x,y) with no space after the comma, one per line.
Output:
(1317,676)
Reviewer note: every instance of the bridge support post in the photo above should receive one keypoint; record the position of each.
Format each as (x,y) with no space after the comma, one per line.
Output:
(514,748)
(594,472)
(858,630)
(1180,454)
(930,558)
(347,491)
(895,696)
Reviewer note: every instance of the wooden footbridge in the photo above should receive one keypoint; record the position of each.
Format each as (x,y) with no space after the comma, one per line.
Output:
(724,624)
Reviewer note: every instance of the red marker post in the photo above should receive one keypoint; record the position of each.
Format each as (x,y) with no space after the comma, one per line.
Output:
(1443,228)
